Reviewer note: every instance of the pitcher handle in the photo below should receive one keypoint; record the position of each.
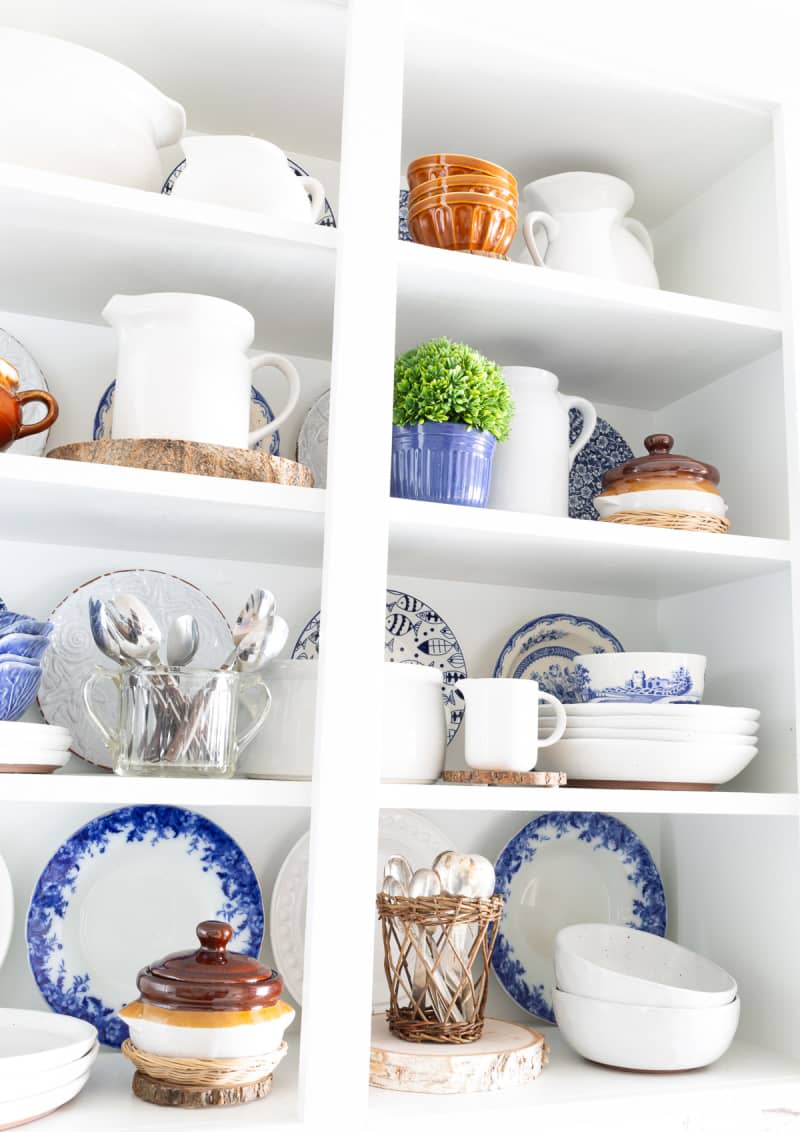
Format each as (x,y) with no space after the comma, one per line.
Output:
(317,193)
(636,228)
(50,418)
(243,741)
(589,414)
(561,720)
(110,738)
(550,226)
(292,380)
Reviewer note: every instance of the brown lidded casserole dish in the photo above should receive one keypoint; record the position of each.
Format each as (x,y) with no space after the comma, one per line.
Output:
(661,480)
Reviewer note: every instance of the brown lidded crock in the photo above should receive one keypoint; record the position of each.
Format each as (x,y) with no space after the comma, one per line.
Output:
(661,469)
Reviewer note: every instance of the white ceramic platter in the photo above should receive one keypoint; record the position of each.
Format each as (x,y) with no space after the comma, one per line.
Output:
(401,831)
(312,441)
(697,713)
(6,915)
(125,889)
(30,377)
(643,735)
(33,736)
(544,650)
(73,655)
(13,1113)
(568,868)
(665,726)
(35,1041)
(45,1080)
(33,762)
(689,763)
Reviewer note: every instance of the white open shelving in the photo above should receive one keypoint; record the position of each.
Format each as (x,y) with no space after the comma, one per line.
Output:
(710,356)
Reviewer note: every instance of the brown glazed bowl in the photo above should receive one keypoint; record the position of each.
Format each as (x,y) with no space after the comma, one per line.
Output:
(462,183)
(464,222)
(437,165)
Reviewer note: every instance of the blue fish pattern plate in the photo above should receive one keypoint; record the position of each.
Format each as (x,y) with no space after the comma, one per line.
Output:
(260,414)
(561,869)
(415,634)
(606,449)
(125,890)
(544,650)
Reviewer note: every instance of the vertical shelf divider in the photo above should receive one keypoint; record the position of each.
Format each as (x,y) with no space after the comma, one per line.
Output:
(337,998)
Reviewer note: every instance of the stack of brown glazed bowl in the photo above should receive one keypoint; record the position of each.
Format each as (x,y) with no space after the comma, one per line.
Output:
(462,203)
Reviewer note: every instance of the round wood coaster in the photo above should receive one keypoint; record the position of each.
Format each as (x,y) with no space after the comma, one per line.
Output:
(191,458)
(197,1096)
(507,1055)
(508,777)
(612,784)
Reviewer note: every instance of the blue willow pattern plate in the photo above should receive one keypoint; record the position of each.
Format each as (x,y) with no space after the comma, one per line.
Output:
(260,414)
(614,880)
(544,649)
(415,634)
(123,891)
(606,449)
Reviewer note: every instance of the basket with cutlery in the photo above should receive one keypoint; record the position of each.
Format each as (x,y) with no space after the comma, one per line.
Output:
(439,928)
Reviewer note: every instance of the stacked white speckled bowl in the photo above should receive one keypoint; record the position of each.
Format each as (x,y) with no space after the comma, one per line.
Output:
(45,1061)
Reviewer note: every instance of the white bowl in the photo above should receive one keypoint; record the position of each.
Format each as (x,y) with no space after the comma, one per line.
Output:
(671,500)
(655,1038)
(39,1103)
(602,760)
(642,677)
(246,1040)
(620,964)
(28,1085)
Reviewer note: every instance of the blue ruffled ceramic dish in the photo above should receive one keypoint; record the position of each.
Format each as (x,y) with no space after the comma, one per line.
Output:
(23,642)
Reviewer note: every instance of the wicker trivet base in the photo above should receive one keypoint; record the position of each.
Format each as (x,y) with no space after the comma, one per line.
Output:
(674,520)
(197,1096)
(551,778)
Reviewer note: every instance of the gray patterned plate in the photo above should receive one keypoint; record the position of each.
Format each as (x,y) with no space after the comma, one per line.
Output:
(416,634)
(73,655)
(312,442)
(30,377)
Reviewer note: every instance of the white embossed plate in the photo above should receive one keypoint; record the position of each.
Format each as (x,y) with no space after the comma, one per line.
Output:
(312,443)
(73,654)
(401,831)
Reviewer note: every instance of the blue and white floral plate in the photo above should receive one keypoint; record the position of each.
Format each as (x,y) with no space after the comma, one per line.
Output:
(606,449)
(568,868)
(415,633)
(544,650)
(124,890)
(260,414)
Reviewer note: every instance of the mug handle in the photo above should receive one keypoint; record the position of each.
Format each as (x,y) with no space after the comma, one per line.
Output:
(550,226)
(561,720)
(50,418)
(292,380)
(637,229)
(244,740)
(589,414)
(315,190)
(110,738)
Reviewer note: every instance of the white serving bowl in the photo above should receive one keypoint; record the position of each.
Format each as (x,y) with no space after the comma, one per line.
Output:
(29,1084)
(643,677)
(620,964)
(78,112)
(414,734)
(244,1040)
(39,1103)
(654,1038)
(602,760)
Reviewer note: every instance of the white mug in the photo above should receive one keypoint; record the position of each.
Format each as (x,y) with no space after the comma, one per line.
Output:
(502,723)
(245,172)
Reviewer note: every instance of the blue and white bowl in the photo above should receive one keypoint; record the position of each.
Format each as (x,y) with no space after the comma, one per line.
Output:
(641,677)
(29,646)
(19,683)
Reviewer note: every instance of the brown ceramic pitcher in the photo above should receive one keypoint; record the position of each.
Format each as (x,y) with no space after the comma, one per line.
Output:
(11,404)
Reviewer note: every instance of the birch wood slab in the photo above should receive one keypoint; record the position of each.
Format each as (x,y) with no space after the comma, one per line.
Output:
(191,458)
(507,777)
(505,1057)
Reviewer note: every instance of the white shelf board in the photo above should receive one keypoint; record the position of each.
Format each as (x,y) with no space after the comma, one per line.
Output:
(60,501)
(526,799)
(471,544)
(611,342)
(69,244)
(747,1080)
(107,1104)
(111,789)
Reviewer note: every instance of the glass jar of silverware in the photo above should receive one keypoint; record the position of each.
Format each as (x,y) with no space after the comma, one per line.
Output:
(439,928)
(171,719)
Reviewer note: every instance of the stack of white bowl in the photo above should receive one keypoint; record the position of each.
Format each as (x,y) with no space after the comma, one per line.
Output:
(632,1000)
(45,1060)
(33,748)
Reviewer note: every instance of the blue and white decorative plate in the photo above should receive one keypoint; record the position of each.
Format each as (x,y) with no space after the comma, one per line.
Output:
(260,414)
(402,223)
(415,634)
(606,449)
(124,890)
(561,869)
(544,649)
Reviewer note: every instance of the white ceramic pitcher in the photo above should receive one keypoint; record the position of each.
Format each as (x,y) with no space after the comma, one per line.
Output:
(580,219)
(502,723)
(183,372)
(531,469)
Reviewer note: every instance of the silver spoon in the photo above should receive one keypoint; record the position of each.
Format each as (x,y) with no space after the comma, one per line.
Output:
(399,868)
(256,616)
(463,874)
(425,882)
(183,639)
(102,631)
(136,627)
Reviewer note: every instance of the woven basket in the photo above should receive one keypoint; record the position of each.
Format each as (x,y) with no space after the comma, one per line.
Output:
(675,520)
(218,1073)
(436,953)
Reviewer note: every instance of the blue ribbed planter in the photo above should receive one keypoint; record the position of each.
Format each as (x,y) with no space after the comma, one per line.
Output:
(442,463)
